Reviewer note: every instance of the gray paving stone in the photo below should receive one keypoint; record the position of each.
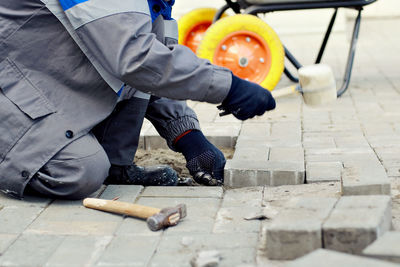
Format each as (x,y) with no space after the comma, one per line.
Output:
(15,219)
(317,172)
(30,201)
(208,241)
(328,258)
(241,173)
(31,250)
(72,218)
(86,250)
(284,129)
(243,197)
(231,220)
(346,127)
(229,258)
(201,213)
(286,173)
(135,227)
(296,231)
(129,251)
(287,154)
(126,193)
(251,152)
(352,141)
(385,247)
(255,129)
(364,177)
(222,134)
(183,192)
(5,241)
(356,222)
(252,141)
(318,142)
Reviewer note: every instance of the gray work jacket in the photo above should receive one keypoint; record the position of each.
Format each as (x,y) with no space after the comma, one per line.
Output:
(60,69)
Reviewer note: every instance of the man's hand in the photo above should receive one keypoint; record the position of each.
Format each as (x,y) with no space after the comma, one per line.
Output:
(246,99)
(204,161)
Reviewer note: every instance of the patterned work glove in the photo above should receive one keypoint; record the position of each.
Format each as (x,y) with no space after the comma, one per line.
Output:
(204,161)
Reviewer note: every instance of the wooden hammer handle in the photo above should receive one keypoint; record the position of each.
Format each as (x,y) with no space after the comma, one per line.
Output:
(290,90)
(119,207)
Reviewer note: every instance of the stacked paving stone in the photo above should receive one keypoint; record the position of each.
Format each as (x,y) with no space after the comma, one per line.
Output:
(386,247)
(269,150)
(348,224)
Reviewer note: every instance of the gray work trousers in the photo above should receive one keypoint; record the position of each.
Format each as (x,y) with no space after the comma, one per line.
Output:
(81,167)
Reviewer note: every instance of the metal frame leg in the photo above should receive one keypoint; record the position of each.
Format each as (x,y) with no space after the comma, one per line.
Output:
(352,52)
(295,63)
(326,38)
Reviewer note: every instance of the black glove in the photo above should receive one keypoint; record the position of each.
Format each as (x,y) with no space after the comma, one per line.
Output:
(246,99)
(204,161)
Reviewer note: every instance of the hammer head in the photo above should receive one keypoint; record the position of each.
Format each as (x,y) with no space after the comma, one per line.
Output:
(166,217)
(317,84)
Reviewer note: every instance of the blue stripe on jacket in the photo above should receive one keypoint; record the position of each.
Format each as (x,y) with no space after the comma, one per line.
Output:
(67,4)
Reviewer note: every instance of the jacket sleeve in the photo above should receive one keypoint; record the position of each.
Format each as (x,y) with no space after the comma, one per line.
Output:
(118,34)
(171,118)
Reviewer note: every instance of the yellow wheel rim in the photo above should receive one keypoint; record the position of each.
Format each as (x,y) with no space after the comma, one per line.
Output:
(247,46)
(193,25)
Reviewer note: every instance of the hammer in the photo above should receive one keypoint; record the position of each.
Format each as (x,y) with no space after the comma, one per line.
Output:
(156,218)
(316,84)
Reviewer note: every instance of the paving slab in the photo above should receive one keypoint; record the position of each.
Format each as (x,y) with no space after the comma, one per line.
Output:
(7,201)
(317,172)
(15,219)
(364,177)
(241,173)
(183,192)
(251,152)
(356,222)
(6,240)
(222,134)
(201,213)
(173,248)
(36,249)
(129,251)
(229,257)
(72,218)
(125,193)
(135,227)
(287,154)
(297,230)
(232,220)
(244,197)
(331,258)
(385,247)
(255,129)
(86,250)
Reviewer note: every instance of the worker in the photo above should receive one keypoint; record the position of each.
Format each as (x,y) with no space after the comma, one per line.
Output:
(179,126)
(67,66)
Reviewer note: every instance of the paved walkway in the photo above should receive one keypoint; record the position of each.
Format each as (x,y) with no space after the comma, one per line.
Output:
(359,136)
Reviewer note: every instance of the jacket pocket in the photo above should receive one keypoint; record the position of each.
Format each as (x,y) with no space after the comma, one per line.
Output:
(21,103)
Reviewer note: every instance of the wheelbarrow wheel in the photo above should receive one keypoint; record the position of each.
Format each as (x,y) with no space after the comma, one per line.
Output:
(247,46)
(193,25)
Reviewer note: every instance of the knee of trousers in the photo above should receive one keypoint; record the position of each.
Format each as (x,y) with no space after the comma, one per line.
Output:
(75,172)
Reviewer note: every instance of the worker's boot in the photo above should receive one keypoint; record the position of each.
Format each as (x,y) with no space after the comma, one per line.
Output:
(159,175)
